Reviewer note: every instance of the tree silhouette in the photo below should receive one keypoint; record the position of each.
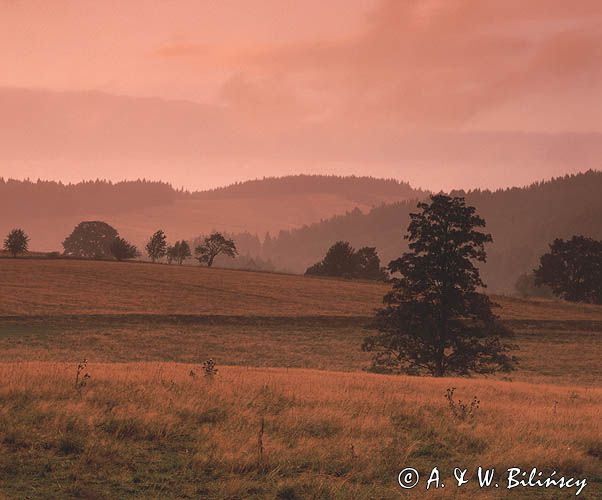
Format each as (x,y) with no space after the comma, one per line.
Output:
(91,239)
(157,246)
(338,261)
(434,320)
(213,245)
(342,260)
(122,249)
(16,242)
(367,264)
(573,269)
(179,252)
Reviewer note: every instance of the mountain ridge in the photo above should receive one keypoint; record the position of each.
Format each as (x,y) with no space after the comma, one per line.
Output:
(48,210)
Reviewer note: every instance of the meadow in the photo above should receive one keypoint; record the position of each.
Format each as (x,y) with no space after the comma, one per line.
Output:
(290,413)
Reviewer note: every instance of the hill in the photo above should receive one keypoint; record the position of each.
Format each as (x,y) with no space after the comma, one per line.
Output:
(47,287)
(81,133)
(48,211)
(522,221)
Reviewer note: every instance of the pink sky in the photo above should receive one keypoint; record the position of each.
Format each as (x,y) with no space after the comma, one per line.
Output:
(282,86)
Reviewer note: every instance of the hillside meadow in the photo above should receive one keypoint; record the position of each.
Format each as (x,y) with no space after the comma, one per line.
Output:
(150,430)
(47,287)
(148,423)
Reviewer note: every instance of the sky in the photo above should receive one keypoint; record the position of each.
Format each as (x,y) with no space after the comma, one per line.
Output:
(443,93)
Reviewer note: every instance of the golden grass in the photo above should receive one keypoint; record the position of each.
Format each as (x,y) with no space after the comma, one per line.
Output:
(49,287)
(562,354)
(152,430)
(63,287)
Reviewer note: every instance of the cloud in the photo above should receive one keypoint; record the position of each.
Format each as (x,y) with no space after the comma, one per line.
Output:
(433,63)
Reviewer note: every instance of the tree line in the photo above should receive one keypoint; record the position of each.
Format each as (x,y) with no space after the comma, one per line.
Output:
(99,240)
(571,269)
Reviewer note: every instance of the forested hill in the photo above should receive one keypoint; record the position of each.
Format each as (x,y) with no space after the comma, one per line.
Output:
(522,221)
(100,196)
(48,210)
(364,190)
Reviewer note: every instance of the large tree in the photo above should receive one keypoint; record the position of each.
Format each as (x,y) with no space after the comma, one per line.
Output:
(157,245)
(435,319)
(213,245)
(91,239)
(573,269)
(16,242)
(122,249)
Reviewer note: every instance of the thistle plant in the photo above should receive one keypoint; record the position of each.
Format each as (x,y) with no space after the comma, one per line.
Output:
(209,368)
(81,375)
(462,411)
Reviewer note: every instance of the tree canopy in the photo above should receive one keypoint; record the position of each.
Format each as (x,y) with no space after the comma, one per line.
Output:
(573,269)
(435,320)
(178,252)
(156,247)
(91,239)
(213,245)
(122,249)
(342,260)
(16,242)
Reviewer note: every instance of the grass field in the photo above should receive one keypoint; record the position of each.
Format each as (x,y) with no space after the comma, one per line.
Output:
(288,354)
(75,287)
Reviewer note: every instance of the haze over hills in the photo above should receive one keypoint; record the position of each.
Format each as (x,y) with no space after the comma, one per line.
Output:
(306,214)
(74,135)
(48,211)
(522,221)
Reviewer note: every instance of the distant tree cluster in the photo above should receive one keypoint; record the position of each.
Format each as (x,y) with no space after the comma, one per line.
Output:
(98,240)
(178,252)
(573,269)
(343,260)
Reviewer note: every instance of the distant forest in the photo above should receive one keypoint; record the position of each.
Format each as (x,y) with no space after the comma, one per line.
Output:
(46,198)
(522,221)
(361,189)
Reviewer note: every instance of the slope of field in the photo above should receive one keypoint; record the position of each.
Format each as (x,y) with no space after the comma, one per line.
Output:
(68,287)
(75,287)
